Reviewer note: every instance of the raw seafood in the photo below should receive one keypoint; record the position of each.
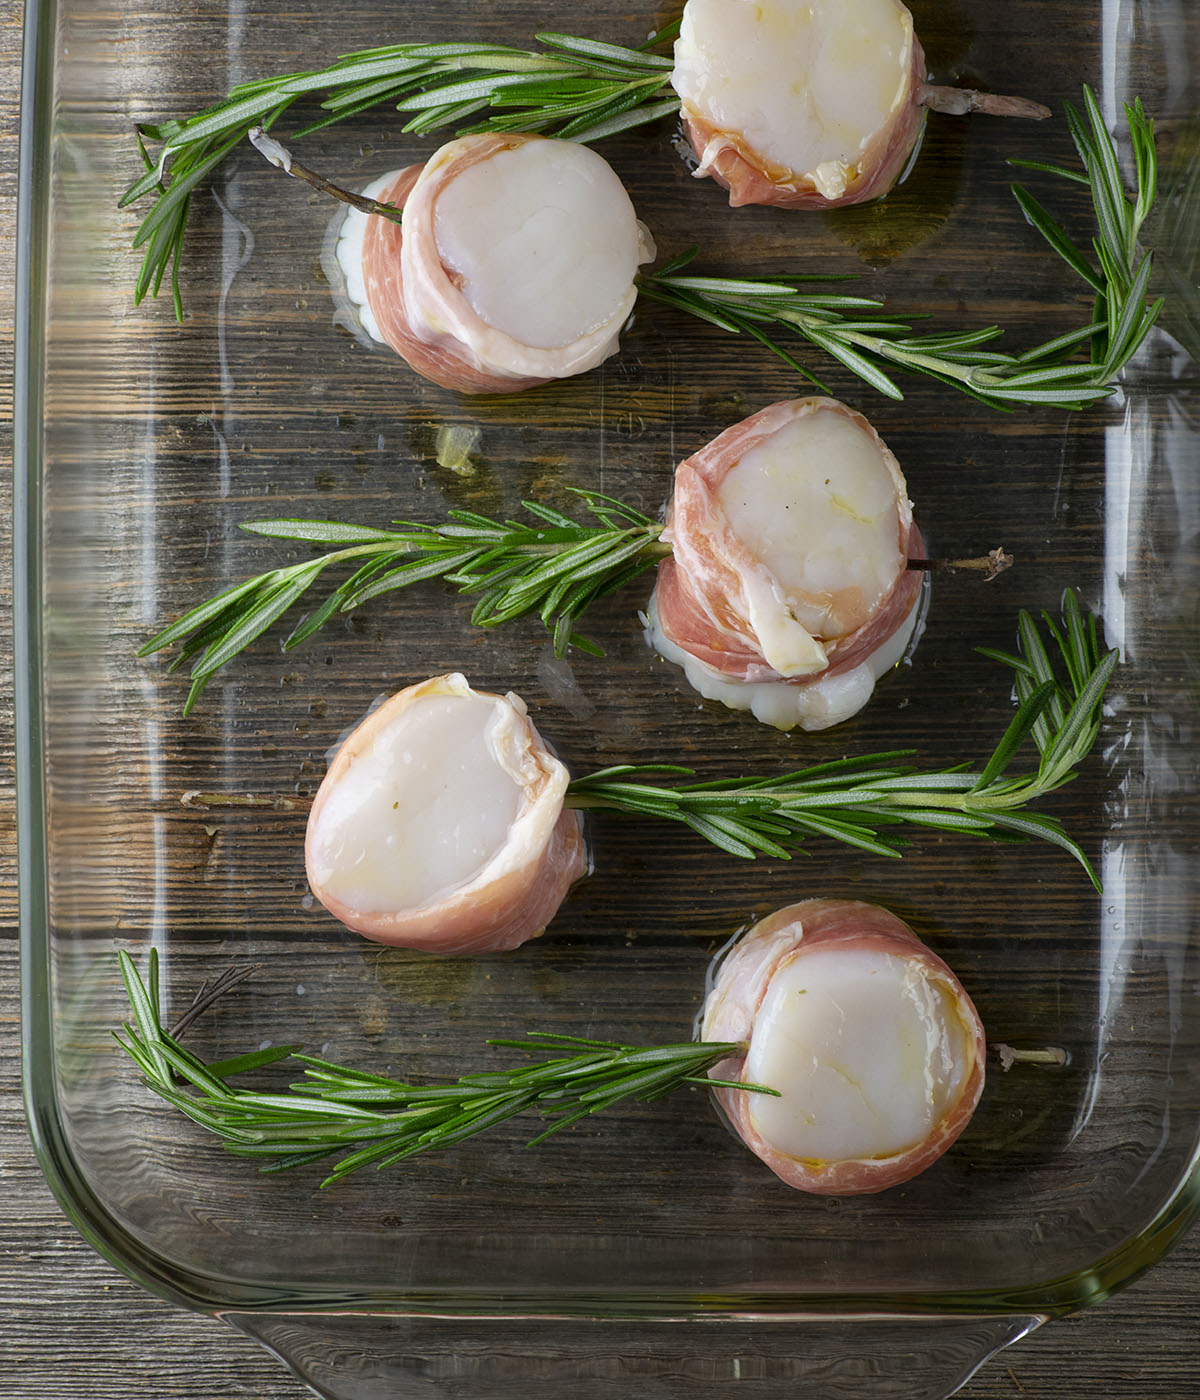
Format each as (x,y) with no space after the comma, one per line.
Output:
(875,1048)
(809,104)
(515,264)
(787,591)
(440,824)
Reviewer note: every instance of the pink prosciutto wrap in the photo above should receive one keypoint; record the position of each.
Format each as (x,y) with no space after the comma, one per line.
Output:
(703,592)
(420,304)
(432,762)
(444,360)
(789,941)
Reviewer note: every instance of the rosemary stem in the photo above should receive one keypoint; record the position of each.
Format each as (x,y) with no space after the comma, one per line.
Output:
(958,102)
(952,800)
(976,803)
(1008,1055)
(991,565)
(282,159)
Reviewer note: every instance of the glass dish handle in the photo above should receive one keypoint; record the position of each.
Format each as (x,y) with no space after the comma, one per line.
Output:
(377,1357)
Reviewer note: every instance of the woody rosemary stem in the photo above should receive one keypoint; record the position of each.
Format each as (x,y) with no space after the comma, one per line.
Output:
(991,565)
(282,159)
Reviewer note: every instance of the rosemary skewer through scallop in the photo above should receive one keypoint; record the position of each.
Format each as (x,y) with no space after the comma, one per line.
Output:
(871,997)
(870,340)
(873,1043)
(788,580)
(514,264)
(811,104)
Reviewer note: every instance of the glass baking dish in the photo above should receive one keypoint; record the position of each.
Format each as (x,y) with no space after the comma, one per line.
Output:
(142,444)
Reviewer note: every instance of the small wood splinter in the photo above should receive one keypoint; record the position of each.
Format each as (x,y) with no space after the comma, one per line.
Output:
(197,799)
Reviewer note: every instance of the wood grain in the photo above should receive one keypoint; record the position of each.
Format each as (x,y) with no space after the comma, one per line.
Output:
(73,1327)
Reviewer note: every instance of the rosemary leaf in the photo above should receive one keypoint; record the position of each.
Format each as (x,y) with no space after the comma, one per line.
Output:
(1054,234)
(1018,731)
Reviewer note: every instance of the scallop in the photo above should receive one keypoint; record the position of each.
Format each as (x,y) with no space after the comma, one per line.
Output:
(514,265)
(809,103)
(787,591)
(875,1049)
(440,824)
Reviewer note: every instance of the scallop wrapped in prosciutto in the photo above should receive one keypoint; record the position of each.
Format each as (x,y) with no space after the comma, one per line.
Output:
(874,1047)
(810,104)
(514,264)
(787,591)
(440,824)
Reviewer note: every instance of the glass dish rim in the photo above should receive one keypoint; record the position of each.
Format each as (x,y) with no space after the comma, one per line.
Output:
(1054,1296)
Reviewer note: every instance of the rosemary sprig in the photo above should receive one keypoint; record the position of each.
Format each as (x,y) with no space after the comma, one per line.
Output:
(861,801)
(863,335)
(371,1120)
(555,568)
(575,88)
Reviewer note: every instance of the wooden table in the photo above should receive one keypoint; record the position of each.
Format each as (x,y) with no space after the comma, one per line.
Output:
(73,1327)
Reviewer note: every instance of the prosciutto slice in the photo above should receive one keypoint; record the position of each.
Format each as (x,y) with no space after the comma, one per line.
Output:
(514,264)
(787,591)
(876,1049)
(809,104)
(440,824)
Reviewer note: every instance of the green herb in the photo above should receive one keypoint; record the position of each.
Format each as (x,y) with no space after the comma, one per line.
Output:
(863,336)
(370,1120)
(576,88)
(555,568)
(861,801)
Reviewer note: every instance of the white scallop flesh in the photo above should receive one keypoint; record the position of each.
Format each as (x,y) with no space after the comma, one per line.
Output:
(543,242)
(816,504)
(461,786)
(803,84)
(867,1049)
(349,254)
(819,704)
